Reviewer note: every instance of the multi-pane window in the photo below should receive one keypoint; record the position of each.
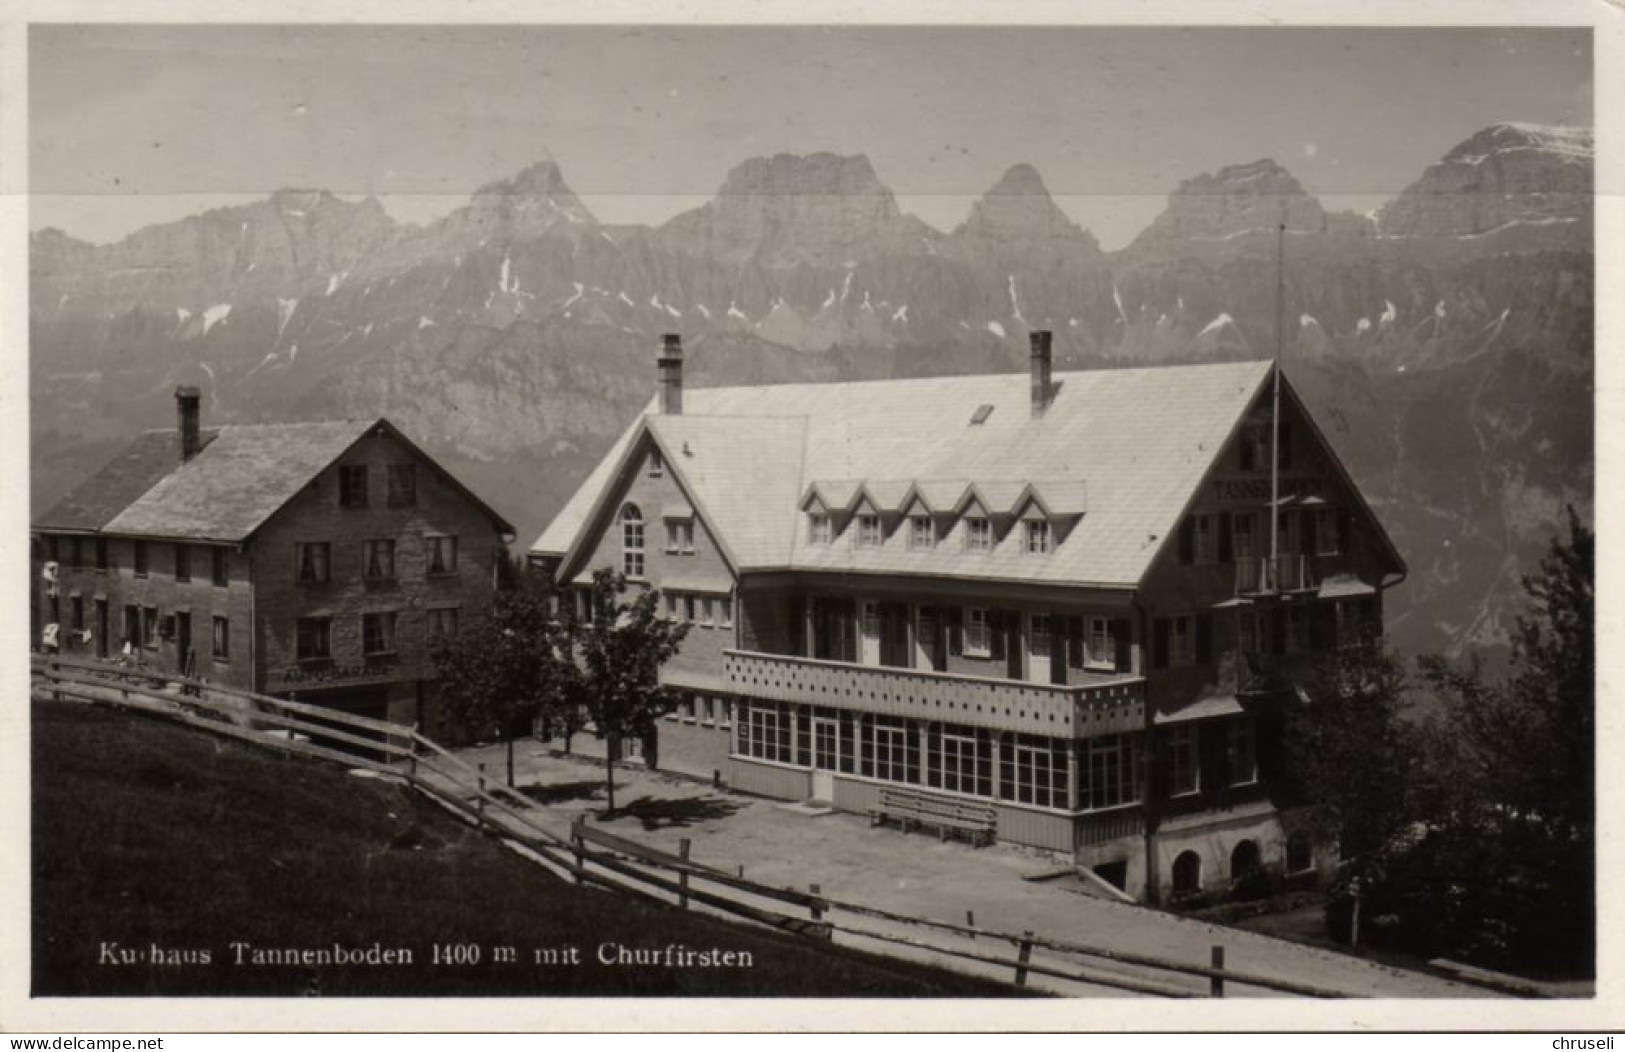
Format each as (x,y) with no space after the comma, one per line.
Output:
(1038,537)
(1255,447)
(222,639)
(78,611)
(1039,646)
(1184,761)
(707,613)
(890,750)
(868,535)
(132,624)
(183,563)
(679,535)
(313,639)
(220,563)
(977,635)
(690,611)
(442,623)
(140,558)
(353,486)
(1205,537)
(978,535)
(1241,752)
(1102,644)
(960,760)
(378,633)
(1243,534)
(1111,772)
(1032,770)
(818,529)
(378,562)
(725,612)
(632,541)
(149,626)
(1181,642)
(762,731)
(403,485)
(1328,532)
(921,534)
(657,464)
(312,562)
(441,552)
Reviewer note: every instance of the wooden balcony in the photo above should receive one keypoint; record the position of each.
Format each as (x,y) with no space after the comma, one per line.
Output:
(1111,706)
(1263,575)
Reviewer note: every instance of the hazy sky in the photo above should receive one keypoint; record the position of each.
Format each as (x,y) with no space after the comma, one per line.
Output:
(135,125)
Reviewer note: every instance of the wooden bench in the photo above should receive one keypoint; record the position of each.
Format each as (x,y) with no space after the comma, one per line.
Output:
(949,816)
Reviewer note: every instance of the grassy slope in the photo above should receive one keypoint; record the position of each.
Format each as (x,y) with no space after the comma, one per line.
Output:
(148,832)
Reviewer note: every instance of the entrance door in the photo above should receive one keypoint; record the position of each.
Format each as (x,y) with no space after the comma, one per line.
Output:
(826,757)
(183,642)
(1038,648)
(101,628)
(870,634)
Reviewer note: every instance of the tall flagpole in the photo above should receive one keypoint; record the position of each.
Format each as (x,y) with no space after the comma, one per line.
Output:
(1275,408)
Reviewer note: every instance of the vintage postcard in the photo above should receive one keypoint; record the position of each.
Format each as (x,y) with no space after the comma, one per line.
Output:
(888,519)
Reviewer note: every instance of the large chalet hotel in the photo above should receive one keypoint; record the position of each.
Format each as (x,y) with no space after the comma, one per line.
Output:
(1062,598)
(315,561)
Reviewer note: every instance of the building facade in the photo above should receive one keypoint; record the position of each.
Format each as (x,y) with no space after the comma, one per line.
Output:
(1064,596)
(317,562)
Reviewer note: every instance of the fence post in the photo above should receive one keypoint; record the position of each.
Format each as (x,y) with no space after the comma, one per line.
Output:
(1216,983)
(53,671)
(1024,958)
(682,874)
(817,914)
(970,921)
(579,848)
(412,756)
(480,799)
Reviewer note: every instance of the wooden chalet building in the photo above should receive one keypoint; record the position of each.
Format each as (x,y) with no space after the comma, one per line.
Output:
(1052,596)
(314,561)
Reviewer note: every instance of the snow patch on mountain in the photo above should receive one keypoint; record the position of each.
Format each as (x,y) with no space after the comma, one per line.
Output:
(996,329)
(735,312)
(581,290)
(901,314)
(704,310)
(1015,301)
(284,310)
(1216,324)
(1306,320)
(424,321)
(215,315)
(1389,313)
(1363,325)
(1117,298)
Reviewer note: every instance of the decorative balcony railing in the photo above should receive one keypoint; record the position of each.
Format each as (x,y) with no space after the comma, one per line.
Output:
(1111,706)
(1265,575)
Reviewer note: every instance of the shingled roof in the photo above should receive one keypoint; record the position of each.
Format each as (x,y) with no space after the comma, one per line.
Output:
(241,477)
(1136,441)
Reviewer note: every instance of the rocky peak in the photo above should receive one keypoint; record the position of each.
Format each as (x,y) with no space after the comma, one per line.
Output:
(820,208)
(534,202)
(1018,211)
(1237,200)
(1507,175)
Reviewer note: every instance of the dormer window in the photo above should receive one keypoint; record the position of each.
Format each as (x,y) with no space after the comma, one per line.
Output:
(921,534)
(978,535)
(818,529)
(1038,537)
(868,535)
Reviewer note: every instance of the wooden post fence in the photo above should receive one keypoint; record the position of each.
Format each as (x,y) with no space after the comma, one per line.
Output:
(817,913)
(1216,981)
(683,846)
(1024,958)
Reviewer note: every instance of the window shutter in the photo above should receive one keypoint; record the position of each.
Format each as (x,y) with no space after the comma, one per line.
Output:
(1345,523)
(1187,540)
(1159,641)
(956,630)
(995,631)
(939,640)
(1286,445)
(1204,638)
(1121,636)
(1074,641)
(1309,531)
(1226,541)
(1057,651)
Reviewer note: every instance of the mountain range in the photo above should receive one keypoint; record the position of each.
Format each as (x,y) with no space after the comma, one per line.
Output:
(1445,339)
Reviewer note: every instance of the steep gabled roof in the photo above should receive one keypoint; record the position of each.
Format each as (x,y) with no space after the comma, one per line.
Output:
(1137,441)
(226,491)
(95,502)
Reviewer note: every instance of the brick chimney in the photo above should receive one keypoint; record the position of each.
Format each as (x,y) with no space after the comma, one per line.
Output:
(186,406)
(670,363)
(1040,341)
